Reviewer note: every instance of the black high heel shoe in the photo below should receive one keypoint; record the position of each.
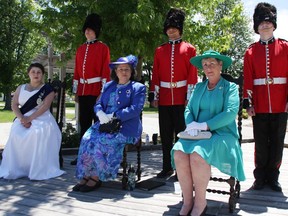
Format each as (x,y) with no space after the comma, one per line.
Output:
(78,186)
(187,213)
(87,188)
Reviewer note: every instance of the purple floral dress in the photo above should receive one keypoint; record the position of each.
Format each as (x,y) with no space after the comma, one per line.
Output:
(100,154)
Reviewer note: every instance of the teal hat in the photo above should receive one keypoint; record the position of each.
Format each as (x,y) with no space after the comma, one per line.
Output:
(197,60)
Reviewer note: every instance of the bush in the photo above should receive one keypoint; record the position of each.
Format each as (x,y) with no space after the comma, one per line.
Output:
(70,137)
(244,114)
(70,104)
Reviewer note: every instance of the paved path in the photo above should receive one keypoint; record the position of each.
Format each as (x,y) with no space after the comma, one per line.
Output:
(150,126)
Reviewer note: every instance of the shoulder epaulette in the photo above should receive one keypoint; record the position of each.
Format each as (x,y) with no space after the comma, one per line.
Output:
(251,45)
(282,39)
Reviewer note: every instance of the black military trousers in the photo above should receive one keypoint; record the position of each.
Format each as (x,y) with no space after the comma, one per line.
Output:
(171,122)
(269,132)
(86,112)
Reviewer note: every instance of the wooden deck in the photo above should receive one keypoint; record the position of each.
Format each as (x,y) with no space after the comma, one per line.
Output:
(55,196)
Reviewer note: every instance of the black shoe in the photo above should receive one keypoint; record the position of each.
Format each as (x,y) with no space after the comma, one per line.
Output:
(74,162)
(275,185)
(86,188)
(164,174)
(188,214)
(258,185)
(78,186)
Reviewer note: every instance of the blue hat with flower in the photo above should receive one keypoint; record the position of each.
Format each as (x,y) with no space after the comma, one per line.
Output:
(130,59)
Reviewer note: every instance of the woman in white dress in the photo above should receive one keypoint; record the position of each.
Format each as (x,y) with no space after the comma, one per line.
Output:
(32,149)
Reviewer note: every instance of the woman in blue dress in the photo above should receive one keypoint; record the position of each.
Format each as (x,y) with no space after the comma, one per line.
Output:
(100,153)
(213,106)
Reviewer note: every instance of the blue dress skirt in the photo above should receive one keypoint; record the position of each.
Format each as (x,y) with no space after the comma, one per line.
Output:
(100,154)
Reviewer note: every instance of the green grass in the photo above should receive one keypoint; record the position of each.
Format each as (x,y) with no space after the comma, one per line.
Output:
(6,116)
(149,110)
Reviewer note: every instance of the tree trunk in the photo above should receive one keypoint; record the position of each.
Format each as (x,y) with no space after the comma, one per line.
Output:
(139,68)
(8,100)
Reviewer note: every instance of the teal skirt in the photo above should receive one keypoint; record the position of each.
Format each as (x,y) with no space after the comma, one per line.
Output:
(220,151)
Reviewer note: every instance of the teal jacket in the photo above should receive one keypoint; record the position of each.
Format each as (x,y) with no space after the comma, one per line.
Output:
(223,111)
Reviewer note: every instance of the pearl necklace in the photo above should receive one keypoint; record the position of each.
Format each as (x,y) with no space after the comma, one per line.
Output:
(210,89)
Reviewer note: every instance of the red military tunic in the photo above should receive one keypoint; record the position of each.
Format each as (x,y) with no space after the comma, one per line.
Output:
(91,68)
(266,76)
(173,73)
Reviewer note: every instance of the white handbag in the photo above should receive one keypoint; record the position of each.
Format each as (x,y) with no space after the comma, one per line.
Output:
(201,135)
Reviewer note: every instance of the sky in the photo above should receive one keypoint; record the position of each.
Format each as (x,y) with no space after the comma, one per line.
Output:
(282,16)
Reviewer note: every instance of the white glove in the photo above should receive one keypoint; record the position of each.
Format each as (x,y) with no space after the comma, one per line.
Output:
(196,125)
(103,118)
(193,132)
(110,116)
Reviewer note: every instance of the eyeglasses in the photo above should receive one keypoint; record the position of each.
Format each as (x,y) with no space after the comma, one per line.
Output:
(211,65)
(122,70)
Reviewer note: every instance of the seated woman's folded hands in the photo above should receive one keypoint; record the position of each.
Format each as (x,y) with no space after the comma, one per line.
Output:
(196,125)
(193,132)
(103,117)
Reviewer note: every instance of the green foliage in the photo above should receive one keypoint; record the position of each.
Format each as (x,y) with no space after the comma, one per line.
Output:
(128,27)
(245,114)
(70,137)
(221,26)
(70,104)
(19,43)
(137,26)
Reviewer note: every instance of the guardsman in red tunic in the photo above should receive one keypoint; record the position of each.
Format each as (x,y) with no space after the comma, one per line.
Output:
(265,96)
(173,79)
(91,72)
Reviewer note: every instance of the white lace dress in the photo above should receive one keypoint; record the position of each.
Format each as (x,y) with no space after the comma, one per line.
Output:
(32,152)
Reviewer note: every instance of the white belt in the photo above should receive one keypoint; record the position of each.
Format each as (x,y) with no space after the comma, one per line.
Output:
(265,81)
(173,84)
(91,80)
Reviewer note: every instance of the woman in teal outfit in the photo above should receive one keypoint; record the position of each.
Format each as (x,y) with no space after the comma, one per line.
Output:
(213,107)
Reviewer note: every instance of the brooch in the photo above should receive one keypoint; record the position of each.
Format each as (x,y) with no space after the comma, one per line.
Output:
(39,99)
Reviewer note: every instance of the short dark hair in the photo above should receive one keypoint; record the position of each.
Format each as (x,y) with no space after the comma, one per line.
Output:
(114,76)
(38,65)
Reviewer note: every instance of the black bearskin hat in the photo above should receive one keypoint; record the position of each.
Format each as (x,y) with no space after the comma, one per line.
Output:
(175,18)
(264,12)
(94,22)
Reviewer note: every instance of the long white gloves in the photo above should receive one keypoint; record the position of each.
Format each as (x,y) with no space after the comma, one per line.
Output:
(103,117)
(197,126)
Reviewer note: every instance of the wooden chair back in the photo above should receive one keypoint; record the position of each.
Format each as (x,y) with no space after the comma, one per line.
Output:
(234,190)
(58,107)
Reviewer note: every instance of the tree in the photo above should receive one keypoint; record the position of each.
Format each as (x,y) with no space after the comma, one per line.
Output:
(137,26)
(226,30)
(18,44)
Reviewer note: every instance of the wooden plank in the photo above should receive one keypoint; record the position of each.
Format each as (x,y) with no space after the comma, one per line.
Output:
(55,196)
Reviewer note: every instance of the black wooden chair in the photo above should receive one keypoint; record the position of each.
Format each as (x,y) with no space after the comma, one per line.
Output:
(125,164)
(234,185)
(57,107)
